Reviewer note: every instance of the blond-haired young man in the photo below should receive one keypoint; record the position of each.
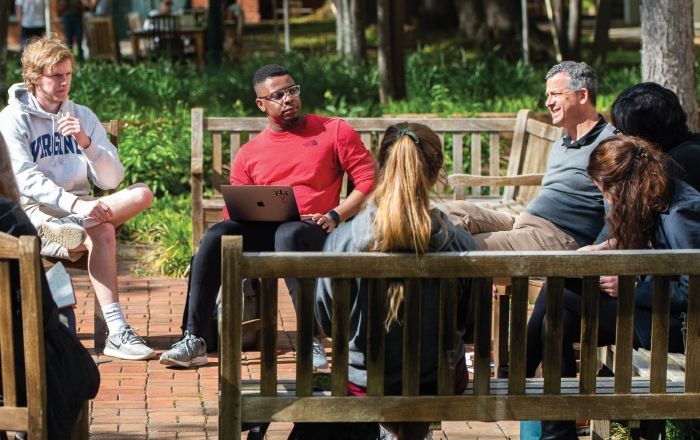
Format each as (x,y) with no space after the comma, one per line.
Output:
(57,148)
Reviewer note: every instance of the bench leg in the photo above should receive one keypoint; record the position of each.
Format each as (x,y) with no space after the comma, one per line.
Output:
(600,429)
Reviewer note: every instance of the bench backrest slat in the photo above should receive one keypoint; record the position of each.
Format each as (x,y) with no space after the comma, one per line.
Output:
(412,337)
(7,348)
(376,337)
(458,162)
(446,336)
(268,337)
(476,160)
(660,317)
(624,334)
(481,292)
(305,334)
(341,335)
(217,175)
(589,333)
(518,332)
(551,365)
(692,347)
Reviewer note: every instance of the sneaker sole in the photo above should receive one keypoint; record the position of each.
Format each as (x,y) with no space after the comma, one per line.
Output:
(129,357)
(196,362)
(68,236)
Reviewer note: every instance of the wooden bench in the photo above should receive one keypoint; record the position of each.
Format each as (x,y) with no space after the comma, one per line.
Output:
(113,128)
(32,417)
(642,368)
(488,399)
(509,152)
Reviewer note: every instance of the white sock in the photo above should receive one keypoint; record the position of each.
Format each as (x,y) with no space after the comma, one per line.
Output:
(114,317)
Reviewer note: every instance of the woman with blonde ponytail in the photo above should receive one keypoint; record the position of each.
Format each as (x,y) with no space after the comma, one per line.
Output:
(398,218)
(649,209)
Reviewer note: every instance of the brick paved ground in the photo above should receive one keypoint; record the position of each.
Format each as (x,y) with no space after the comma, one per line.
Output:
(145,400)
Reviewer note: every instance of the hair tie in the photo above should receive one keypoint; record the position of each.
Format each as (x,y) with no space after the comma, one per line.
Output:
(408,132)
(640,153)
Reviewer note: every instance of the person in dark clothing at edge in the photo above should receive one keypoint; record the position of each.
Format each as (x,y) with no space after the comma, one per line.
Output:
(71,375)
(654,113)
(649,209)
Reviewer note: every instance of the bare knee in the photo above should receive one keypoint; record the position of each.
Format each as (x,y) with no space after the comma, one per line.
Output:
(141,194)
(103,235)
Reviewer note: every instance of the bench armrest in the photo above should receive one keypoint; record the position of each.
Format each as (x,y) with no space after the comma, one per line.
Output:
(534,179)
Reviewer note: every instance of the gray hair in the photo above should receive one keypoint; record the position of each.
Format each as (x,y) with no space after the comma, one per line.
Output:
(581,76)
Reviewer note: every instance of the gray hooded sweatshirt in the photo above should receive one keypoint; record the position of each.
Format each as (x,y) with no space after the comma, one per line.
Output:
(356,236)
(51,169)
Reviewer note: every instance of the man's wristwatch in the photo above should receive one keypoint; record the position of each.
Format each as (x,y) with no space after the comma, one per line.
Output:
(335,216)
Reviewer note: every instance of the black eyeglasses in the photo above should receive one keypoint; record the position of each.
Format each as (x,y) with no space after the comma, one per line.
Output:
(276,96)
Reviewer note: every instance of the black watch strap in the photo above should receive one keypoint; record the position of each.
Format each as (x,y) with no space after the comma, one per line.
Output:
(335,216)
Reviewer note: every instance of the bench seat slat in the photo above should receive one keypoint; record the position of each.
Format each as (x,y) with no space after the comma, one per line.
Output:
(534,386)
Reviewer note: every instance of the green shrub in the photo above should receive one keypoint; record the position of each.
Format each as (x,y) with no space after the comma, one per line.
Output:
(167,225)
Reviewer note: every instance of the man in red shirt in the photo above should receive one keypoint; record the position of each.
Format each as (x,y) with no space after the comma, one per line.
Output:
(308,152)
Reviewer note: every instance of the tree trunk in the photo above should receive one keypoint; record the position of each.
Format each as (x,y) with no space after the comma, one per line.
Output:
(5,6)
(667,50)
(390,56)
(350,30)
(215,33)
(602,29)
(502,17)
(574,35)
(470,16)
(434,14)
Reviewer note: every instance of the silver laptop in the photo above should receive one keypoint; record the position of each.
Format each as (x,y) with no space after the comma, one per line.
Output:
(260,203)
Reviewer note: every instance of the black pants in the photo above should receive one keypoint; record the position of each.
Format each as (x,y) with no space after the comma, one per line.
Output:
(205,275)
(571,329)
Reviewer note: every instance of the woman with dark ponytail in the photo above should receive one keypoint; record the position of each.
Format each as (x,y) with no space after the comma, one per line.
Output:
(398,218)
(649,209)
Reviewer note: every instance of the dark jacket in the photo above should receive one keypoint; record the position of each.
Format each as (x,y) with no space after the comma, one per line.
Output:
(687,156)
(71,374)
(356,236)
(679,229)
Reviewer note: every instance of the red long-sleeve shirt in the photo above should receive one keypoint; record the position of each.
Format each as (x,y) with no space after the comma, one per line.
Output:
(311,159)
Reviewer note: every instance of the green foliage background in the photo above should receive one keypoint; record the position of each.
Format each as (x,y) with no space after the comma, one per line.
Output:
(155,100)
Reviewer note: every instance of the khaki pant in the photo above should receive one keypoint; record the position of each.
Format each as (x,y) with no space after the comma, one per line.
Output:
(500,231)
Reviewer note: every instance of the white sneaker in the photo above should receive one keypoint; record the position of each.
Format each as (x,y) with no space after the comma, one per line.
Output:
(66,231)
(127,344)
(191,351)
(320,361)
